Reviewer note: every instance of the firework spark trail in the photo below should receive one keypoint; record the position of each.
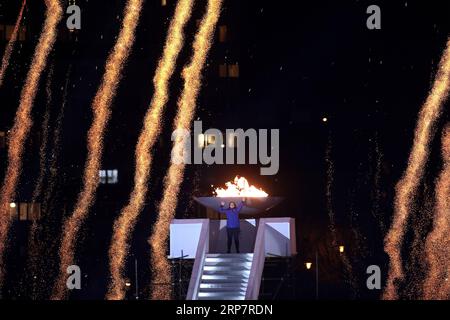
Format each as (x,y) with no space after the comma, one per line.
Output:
(329,186)
(358,240)
(101,110)
(44,142)
(437,246)
(331,215)
(33,242)
(10,46)
(354,210)
(442,210)
(415,264)
(376,195)
(48,244)
(174,177)
(124,225)
(359,245)
(23,121)
(407,187)
(53,168)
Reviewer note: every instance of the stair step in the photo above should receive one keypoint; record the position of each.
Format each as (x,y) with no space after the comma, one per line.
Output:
(224,285)
(226,268)
(228,255)
(242,273)
(236,285)
(240,264)
(220,296)
(229,260)
(224,298)
(224,290)
(224,278)
(228,284)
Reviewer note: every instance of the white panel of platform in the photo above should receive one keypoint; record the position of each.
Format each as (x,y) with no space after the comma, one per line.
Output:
(184,237)
(279,237)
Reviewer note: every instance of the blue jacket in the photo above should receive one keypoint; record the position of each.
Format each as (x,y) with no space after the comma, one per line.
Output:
(232,215)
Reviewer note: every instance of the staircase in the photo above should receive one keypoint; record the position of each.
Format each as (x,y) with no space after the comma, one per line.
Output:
(225,276)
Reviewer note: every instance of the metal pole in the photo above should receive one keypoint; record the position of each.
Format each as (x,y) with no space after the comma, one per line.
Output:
(317,276)
(180,275)
(136,278)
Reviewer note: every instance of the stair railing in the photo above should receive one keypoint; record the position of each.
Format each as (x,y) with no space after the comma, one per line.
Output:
(197,269)
(259,256)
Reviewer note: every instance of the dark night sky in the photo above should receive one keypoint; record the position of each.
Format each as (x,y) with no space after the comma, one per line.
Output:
(299,61)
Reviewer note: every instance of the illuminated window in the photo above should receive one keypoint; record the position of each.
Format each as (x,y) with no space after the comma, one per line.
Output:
(223,33)
(229,70)
(102,175)
(206,140)
(22,34)
(13,211)
(34,211)
(2,139)
(201,140)
(113,176)
(109,176)
(7,30)
(223,72)
(233,70)
(210,139)
(25,211)
(232,141)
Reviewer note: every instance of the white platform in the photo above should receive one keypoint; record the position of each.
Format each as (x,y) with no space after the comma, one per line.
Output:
(220,276)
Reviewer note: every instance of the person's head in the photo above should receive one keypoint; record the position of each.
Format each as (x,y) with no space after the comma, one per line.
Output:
(232,205)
